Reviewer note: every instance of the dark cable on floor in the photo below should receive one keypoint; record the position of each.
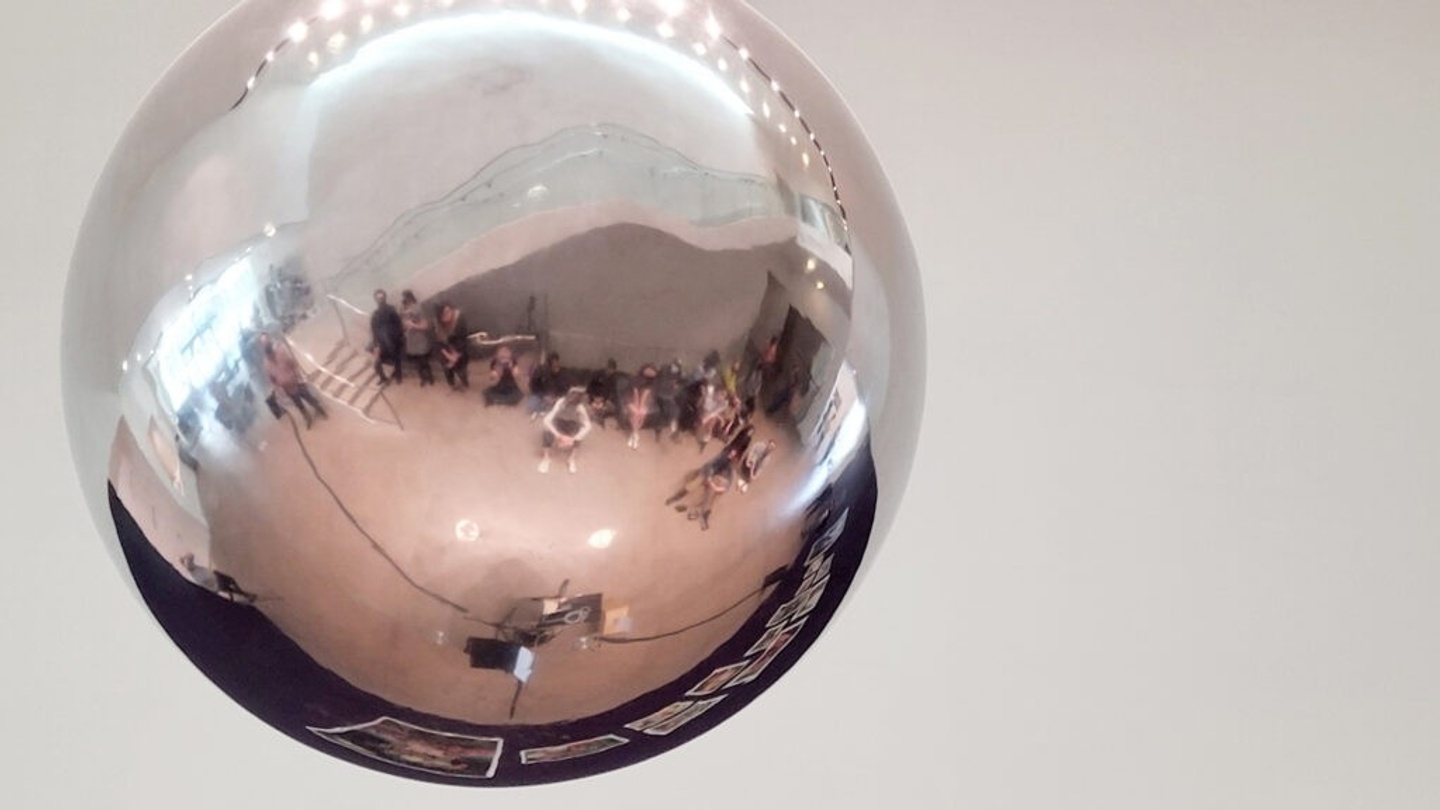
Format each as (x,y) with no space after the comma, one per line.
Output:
(770,580)
(688,628)
(374,544)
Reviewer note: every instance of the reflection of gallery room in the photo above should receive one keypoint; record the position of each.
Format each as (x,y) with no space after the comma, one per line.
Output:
(450,550)
(360,535)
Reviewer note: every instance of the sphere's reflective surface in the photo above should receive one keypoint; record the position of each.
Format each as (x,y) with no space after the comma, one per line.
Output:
(493,392)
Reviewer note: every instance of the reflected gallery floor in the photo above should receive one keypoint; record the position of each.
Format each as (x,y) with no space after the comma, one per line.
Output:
(379,551)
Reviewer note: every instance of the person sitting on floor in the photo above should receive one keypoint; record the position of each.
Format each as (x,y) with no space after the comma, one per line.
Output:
(504,388)
(565,427)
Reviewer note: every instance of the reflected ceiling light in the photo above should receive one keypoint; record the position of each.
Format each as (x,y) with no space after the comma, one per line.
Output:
(250,83)
(673,8)
(765,108)
(783,130)
(332,9)
(579,6)
(125,365)
(298,31)
(745,87)
(602,538)
(744,55)
(622,14)
(665,29)
(794,141)
(313,59)
(810,265)
(819,285)
(270,56)
(336,42)
(774,85)
(401,10)
(269,229)
(505,26)
(723,65)
(467,531)
(805,158)
(699,48)
(712,27)
(366,23)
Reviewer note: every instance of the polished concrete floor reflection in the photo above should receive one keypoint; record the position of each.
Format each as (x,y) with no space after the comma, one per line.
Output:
(358,557)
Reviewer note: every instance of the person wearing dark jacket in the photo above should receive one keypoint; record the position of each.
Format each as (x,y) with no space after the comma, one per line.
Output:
(453,337)
(387,338)
(547,384)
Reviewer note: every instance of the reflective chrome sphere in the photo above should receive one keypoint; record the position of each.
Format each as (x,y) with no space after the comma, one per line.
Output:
(493,391)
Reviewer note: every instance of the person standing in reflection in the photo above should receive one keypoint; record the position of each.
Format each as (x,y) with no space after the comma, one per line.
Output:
(565,427)
(284,374)
(418,344)
(504,388)
(454,339)
(387,338)
(668,383)
(222,585)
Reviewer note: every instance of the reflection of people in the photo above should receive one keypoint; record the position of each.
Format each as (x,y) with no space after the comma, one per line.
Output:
(547,384)
(387,334)
(712,404)
(703,485)
(603,393)
(504,389)
(214,581)
(753,460)
(451,332)
(639,404)
(417,337)
(717,483)
(284,373)
(565,427)
(667,399)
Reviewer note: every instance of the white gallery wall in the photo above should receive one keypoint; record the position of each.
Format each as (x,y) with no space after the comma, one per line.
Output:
(1171,539)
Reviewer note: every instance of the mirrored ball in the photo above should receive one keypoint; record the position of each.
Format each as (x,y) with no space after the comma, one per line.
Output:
(493,392)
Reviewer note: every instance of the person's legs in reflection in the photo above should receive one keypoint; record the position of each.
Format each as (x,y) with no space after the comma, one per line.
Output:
(303,395)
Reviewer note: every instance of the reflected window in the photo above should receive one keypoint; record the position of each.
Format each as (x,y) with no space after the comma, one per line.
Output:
(204,341)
